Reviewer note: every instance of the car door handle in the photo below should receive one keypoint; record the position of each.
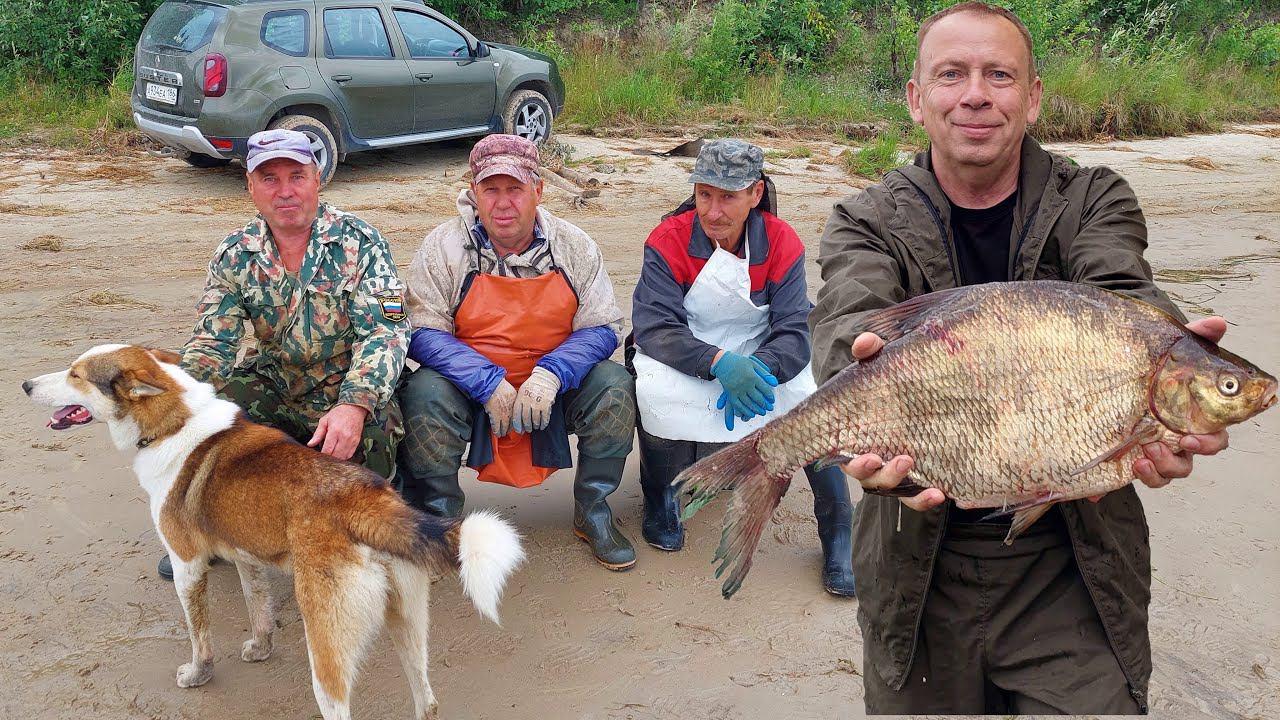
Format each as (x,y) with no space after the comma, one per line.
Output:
(340,78)
(424,76)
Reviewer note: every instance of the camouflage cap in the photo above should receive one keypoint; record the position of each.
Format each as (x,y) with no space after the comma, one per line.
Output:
(271,144)
(505,155)
(728,164)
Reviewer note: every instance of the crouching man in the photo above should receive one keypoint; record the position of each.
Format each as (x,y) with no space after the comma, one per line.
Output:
(513,320)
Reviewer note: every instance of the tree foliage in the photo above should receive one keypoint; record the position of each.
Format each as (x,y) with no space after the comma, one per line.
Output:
(81,41)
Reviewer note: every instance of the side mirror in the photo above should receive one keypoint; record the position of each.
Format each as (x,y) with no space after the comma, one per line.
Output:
(482,50)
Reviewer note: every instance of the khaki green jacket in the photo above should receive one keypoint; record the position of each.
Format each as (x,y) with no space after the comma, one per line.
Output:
(892,242)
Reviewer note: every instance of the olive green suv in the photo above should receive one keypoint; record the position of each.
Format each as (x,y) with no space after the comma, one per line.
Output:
(353,75)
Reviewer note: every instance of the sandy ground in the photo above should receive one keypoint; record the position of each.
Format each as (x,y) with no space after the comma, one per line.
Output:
(98,250)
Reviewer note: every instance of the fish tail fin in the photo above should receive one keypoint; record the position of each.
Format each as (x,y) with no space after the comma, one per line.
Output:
(756,493)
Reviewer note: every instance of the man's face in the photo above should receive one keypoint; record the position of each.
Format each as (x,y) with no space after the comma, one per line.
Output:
(974,93)
(723,213)
(508,210)
(287,193)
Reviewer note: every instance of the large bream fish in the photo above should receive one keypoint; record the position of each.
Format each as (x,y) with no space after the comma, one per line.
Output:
(1012,396)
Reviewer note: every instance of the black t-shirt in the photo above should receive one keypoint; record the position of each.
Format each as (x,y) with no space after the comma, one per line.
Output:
(982,248)
(982,240)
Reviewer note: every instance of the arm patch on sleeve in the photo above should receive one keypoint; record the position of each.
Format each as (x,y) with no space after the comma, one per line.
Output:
(392,307)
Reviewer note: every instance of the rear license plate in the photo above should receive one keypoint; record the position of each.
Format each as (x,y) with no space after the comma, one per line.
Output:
(162,93)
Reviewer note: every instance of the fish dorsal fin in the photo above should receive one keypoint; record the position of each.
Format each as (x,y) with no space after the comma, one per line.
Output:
(895,321)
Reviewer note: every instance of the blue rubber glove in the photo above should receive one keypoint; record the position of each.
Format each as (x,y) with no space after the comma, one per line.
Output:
(723,403)
(748,386)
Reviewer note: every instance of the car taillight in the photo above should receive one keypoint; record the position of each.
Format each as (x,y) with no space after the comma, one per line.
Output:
(215,75)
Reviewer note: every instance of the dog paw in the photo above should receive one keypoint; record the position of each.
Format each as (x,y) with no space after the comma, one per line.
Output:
(255,651)
(432,711)
(194,674)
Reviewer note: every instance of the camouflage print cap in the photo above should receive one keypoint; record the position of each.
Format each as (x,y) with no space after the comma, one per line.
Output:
(728,164)
(505,155)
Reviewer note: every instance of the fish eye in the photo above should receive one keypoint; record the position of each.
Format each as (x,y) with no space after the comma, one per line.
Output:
(1228,385)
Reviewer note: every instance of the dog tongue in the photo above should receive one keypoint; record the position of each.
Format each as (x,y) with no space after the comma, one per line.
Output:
(68,416)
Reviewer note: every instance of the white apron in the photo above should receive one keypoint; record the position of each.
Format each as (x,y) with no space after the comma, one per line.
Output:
(676,406)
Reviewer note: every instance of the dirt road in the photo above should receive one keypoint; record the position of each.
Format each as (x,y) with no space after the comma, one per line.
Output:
(114,249)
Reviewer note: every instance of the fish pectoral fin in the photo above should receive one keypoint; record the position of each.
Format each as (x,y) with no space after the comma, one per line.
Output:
(1014,509)
(832,460)
(1025,518)
(1147,430)
(906,488)
(895,321)
(1024,514)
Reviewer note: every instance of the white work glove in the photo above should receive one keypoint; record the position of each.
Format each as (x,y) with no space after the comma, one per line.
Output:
(534,401)
(499,407)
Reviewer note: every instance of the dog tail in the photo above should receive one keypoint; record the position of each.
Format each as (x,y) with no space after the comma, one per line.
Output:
(483,548)
(488,551)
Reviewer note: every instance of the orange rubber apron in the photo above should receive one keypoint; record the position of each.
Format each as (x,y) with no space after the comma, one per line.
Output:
(514,322)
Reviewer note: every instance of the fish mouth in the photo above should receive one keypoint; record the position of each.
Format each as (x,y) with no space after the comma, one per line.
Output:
(70,416)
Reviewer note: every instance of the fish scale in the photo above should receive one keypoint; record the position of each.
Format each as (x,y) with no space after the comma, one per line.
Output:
(1005,395)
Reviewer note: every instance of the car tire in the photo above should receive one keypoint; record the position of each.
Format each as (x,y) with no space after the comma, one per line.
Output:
(528,114)
(204,161)
(322,142)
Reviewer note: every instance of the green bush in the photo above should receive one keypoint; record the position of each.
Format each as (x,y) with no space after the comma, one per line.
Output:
(80,42)
(760,37)
(1250,47)
(725,53)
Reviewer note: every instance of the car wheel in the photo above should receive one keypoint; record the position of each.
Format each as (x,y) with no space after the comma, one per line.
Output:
(323,145)
(204,161)
(528,115)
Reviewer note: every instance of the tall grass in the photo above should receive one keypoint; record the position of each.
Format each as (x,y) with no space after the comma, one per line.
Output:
(876,158)
(66,115)
(607,85)
(1163,94)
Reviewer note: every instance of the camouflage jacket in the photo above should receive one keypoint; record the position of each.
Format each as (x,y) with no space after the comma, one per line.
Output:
(333,333)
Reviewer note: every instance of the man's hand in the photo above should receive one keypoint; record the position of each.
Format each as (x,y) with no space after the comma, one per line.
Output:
(870,470)
(532,409)
(875,474)
(1160,464)
(499,406)
(340,429)
(866,345)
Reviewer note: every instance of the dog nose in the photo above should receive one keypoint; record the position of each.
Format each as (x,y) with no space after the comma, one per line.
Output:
(26,386)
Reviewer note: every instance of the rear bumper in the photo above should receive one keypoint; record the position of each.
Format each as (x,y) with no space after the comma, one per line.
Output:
(184,137)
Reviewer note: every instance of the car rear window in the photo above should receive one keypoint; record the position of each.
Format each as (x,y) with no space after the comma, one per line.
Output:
(181,26)
(286,31)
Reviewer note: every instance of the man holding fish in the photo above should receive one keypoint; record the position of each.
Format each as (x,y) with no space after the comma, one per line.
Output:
(958,621)
(1007,410)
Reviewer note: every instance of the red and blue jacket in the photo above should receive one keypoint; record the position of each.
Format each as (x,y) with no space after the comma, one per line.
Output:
(676,252)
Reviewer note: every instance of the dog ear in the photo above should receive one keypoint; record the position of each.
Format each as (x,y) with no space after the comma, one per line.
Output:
(138,383)
(140,389)
(165,356)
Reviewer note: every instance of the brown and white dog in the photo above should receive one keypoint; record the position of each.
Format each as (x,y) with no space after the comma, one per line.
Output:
(223,486)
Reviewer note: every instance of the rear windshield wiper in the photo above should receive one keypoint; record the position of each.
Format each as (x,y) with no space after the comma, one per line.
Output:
(167,46)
